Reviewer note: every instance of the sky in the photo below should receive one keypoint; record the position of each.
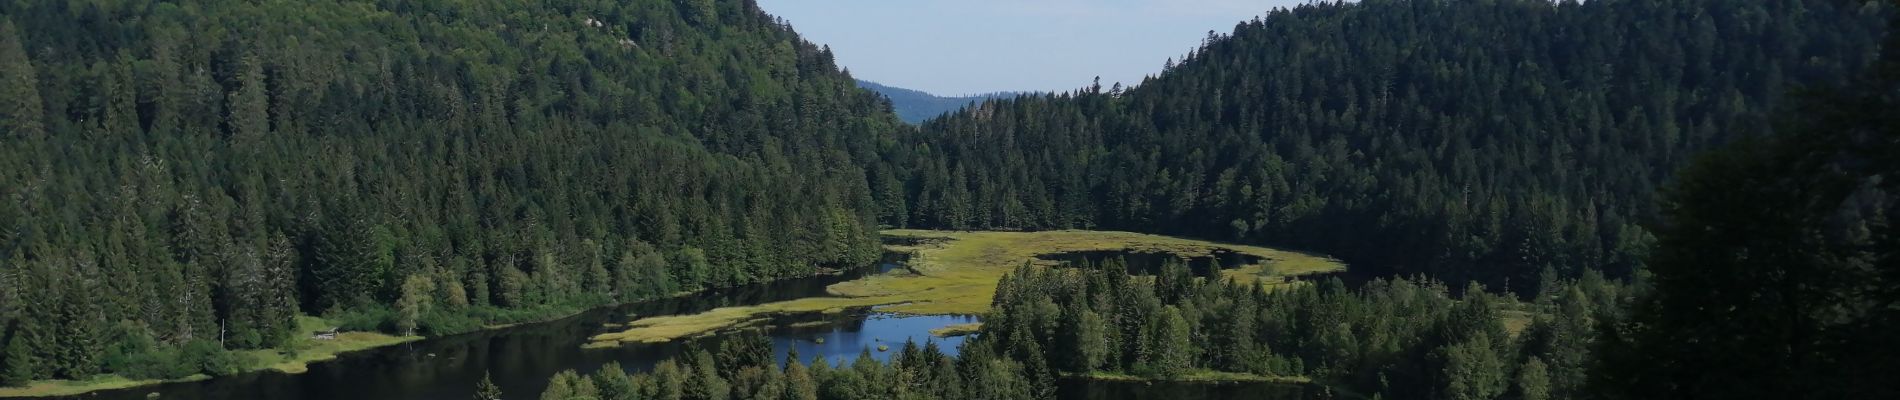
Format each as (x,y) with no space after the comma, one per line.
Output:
(959,47)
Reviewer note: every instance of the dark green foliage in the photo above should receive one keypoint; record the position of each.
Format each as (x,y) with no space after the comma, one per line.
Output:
(20,113)
(486,389)
(1464,140)
(1533,380)
(1775,275)
(19,363)
(915,373)
(1473,370)
(211,359)
(209,169)
(1401,339)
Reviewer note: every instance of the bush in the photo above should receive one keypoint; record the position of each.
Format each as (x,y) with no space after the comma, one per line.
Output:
(441,323)
(153,363)
(212,359)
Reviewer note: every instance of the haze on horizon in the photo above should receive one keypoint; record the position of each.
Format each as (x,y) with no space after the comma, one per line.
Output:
(963,47)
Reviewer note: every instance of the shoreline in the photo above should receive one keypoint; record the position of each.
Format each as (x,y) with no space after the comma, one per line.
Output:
(273,360)
(956,272)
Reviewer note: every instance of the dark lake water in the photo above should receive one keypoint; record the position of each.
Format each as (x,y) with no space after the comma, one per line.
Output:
(522,358)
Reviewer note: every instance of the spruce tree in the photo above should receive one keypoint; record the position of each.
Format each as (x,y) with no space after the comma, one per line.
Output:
(20,109)
(20,363)
(486,389)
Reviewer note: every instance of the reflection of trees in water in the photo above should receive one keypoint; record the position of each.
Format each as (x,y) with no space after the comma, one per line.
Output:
(520,358)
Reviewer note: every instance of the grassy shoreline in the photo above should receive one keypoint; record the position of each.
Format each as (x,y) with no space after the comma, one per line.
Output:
(957,272)
(308,351)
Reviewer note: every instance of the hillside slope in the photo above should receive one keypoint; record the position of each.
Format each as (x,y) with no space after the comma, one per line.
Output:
(1467,140)
(183,172)
(916,106)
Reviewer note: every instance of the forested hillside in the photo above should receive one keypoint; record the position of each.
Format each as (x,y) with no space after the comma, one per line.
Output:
(191,172)
(915,106)
(1466,140)
(1393,339)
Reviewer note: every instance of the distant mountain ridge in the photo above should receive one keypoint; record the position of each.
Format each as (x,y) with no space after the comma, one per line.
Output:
(915,106)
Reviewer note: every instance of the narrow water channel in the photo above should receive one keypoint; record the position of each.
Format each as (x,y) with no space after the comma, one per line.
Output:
(522,358)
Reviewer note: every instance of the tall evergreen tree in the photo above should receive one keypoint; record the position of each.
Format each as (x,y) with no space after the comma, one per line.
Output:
(486,389)
(21,112)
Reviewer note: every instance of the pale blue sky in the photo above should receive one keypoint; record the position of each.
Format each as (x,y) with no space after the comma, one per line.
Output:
(953,47)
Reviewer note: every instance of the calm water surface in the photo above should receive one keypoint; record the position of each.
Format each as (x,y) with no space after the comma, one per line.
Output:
(522,358)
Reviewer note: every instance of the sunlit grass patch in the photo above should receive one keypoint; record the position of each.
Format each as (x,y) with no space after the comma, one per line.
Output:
(957,272)
(311,350)
(957,330)
(75,387)
(308,350)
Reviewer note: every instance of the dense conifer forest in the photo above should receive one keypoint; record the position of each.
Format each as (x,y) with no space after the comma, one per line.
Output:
(192,174)
(744,368)
(1466,140)
(1538,200)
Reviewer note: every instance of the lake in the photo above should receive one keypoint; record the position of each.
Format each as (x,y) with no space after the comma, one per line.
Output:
(522,358)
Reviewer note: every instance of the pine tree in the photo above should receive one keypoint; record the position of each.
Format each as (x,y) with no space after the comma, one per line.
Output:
(1473,370)
(77,340)
(20,363)
(799,384)
(1090,346)
(278,306)
(560,387)
(246,107)
(20,108)
(1174,346)
(1533,380)
(613,382)
(486,389)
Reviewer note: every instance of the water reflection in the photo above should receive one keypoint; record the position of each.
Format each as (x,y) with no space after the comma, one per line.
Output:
(841,341)
(522,358)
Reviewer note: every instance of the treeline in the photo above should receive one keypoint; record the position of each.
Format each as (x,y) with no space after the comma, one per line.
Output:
(1463,140)
(1393,339)
(182,178)
(916,106)
(743,368)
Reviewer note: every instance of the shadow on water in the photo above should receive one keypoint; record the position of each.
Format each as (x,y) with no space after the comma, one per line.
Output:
(893,261)
(522,358)
(1147,263)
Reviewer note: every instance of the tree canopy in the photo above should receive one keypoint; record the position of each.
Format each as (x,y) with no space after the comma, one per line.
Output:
(187,171)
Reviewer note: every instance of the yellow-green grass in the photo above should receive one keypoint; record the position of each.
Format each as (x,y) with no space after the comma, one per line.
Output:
(957,330)
(309,350)
(1516,321)
(956,273)
(1199,376)
(51,388)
